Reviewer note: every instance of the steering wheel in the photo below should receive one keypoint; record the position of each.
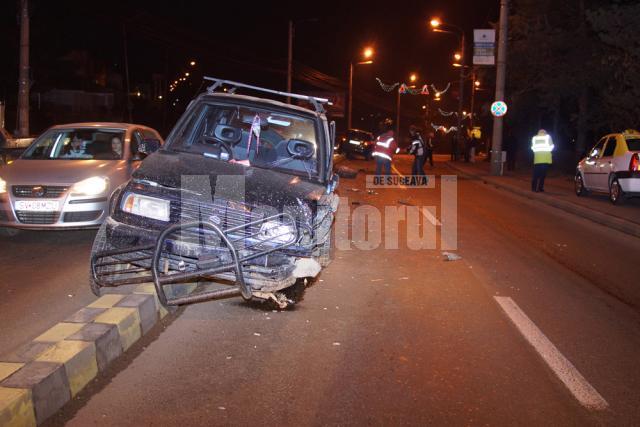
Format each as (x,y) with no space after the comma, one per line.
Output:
(218,143)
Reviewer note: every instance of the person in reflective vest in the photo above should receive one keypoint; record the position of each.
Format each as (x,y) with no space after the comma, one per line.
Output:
(385,147)
(542,147)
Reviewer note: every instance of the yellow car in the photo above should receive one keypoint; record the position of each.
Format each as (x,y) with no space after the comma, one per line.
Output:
(612,166)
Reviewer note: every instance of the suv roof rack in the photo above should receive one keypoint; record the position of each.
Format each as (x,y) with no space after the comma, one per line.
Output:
(314,100)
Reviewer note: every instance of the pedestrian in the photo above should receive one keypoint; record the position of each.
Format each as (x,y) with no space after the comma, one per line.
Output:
(542,147)
(428,149)
(454,146)
(417,148)
(466,141)
(385,147)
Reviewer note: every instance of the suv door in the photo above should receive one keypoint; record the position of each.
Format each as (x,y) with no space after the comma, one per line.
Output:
(605,163)
(591,165)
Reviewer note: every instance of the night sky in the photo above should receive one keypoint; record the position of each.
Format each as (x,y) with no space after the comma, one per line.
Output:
(241,40)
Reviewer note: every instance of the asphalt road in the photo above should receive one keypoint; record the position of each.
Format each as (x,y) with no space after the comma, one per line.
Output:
(43,279)
(390,336)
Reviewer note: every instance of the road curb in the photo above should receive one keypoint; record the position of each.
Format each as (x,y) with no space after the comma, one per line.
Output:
(619,224)
(39,378)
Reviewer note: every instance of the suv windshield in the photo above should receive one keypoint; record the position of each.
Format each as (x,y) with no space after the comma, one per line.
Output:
(77,144)
(252,136)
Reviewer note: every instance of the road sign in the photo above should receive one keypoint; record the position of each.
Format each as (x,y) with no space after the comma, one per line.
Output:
(499,108)
(484,43)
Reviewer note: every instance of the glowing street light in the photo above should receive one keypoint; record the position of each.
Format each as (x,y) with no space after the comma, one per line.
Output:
(192,63)
(367,54)
(435,23)
(413,77)
(477,83)
(457,56)
(186,74)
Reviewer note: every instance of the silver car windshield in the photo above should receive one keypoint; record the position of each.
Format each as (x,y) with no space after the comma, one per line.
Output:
(77,144)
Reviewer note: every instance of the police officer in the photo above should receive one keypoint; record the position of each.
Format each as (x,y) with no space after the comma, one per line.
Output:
(542,146)
(385,147)
(417,148)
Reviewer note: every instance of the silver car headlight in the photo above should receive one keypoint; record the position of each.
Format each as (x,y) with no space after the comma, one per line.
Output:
(3,186)
(276,232)
(93,186)
(149,207)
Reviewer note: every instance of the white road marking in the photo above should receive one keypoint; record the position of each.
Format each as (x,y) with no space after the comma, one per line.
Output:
(560,365)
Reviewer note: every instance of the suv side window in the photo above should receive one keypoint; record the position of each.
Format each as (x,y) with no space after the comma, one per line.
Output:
(596,152)
(610,148)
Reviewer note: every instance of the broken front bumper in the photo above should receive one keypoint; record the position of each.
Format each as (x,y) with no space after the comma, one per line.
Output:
(240,257)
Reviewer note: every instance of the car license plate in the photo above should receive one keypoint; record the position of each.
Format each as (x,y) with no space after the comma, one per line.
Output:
(37,205)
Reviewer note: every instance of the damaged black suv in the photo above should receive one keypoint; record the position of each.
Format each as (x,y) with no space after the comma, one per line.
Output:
(239,202)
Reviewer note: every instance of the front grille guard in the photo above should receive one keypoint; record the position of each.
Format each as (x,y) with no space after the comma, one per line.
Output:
(154,263)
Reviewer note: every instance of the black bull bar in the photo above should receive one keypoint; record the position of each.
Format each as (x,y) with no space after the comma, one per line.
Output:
(143,264)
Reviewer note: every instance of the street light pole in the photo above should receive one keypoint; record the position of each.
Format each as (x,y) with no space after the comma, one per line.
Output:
(290,60)
(398,116)
(501,68)
(23,81)
(473,96)
(461,95)
(350,96)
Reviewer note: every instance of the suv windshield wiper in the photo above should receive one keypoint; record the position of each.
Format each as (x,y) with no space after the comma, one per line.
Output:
(286,160)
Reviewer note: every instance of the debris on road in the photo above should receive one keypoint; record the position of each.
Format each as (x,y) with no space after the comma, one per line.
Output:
(372,192)
(356,203)
(336,344)
(403,278)
(256,334)
(405,202)
(355,190)
(449,256)
(346,172)
(376,280)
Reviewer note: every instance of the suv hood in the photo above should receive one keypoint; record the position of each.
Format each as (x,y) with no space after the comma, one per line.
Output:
(57,172)
(262,186)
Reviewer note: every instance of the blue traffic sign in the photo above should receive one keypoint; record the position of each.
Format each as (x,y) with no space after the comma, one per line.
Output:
(499,108)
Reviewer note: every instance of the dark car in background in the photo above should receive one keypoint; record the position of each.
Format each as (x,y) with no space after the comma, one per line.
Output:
(357,142)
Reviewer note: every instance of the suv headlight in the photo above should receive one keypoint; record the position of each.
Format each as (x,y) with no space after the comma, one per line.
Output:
(93,186)
(3,186)
(276,232)
(149,207)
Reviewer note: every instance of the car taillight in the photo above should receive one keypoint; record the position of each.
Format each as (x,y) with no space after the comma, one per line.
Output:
(634,164)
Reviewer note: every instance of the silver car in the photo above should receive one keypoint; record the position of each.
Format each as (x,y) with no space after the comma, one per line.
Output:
(68,175)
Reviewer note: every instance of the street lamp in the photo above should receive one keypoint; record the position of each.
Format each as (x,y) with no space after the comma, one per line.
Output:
(367,54)
(440,27)
(413,77)
(192,63)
